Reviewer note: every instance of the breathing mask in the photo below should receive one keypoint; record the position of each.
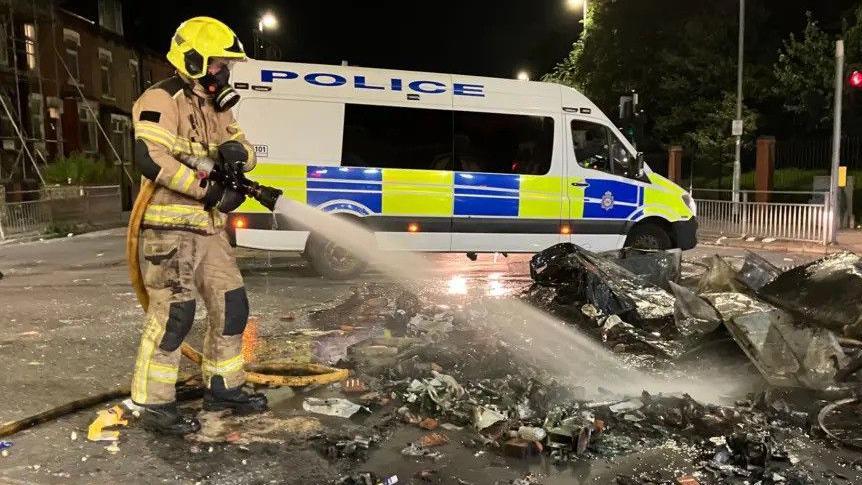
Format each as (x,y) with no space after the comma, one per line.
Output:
(218,87)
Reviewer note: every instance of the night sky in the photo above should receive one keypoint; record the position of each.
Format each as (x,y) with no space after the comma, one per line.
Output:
(478,37)
(490,38)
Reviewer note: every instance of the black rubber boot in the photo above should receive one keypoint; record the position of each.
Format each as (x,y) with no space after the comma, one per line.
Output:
(167,419)
(218,398)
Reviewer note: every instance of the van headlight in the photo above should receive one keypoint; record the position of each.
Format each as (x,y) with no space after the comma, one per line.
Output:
(689,202)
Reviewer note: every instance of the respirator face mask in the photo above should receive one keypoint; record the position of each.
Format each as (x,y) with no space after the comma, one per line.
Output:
(218,86)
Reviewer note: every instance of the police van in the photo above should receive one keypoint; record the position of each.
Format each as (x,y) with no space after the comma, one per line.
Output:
(446,163)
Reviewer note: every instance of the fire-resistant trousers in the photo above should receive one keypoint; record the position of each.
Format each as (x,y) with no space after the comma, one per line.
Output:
(180,266)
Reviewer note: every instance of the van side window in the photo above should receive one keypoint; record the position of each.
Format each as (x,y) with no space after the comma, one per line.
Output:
(393,137)
(591,145)
(503,143)
(596,147)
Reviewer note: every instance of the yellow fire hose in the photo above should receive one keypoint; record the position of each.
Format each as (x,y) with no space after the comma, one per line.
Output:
(314,373)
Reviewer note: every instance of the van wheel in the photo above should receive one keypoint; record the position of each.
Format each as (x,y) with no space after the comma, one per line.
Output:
(648,236)
(331,260)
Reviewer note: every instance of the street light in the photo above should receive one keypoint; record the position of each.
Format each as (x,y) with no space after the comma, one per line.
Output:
(523,76)
(576,4)
(268,21)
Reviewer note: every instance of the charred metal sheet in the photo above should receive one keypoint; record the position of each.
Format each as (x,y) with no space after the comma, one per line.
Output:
(786,354)
(827,292)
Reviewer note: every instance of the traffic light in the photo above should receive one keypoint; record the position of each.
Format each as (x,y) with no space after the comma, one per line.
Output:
(631,117)
(854,91)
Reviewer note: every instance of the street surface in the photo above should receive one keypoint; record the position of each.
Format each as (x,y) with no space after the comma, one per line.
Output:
(71,327)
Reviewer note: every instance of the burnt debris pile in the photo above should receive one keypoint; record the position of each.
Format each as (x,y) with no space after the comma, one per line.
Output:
(455,373)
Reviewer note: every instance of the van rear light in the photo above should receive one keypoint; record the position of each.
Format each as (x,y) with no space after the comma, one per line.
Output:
(239,222)
(413,227)
(565,229)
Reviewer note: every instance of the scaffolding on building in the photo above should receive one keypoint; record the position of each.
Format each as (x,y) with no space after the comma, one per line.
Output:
(25,76)
(23,138)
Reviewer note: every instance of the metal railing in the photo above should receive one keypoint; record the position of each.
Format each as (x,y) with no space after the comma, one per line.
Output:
(796,221)
(92,205)
(23,217)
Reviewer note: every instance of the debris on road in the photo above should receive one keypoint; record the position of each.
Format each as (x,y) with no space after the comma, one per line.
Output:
(104,419)
(338,407)
(436,377)
(826,293)
(786,354)
(432,440)
(757,272)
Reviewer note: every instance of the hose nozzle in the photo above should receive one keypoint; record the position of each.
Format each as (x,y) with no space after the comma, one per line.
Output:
(267,196)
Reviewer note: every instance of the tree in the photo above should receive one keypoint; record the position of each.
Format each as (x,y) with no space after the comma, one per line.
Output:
(804,77)
(679,55)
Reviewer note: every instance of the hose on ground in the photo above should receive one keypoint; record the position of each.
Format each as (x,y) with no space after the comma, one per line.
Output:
(315,373)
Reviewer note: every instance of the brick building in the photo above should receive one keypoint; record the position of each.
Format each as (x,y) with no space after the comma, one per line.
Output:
(62,76)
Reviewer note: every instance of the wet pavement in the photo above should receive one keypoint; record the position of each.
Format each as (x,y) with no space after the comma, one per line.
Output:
(72,326)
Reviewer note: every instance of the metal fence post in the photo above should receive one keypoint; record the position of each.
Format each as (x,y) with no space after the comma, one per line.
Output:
(836,137)
(744,214)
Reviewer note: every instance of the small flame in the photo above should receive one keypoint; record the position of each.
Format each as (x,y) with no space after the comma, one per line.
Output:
(250,341)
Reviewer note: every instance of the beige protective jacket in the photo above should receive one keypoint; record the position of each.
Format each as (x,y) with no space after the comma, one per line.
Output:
(174,118)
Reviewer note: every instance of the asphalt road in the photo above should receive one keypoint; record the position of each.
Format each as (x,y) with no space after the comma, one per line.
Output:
(71,325)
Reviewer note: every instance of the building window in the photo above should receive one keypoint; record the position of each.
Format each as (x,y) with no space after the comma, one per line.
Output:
(30,45)
(148,77)
(390,137)
(7,131)
(135,78)
(111,15)
(121,136)
(72,42)
(72,64)
(105,64)
(88,130)
(503,143)
(4,43)
(37,121)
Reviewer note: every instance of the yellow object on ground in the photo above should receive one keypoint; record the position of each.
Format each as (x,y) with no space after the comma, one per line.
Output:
(105,419)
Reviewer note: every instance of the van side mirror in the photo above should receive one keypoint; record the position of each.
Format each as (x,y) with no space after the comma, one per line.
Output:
(638,167)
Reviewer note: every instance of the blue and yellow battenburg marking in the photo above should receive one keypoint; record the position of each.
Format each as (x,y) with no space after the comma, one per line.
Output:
(611,199)
(427,193)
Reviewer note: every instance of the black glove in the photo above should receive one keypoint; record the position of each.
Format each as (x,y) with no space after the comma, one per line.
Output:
(233,152)
(225,199)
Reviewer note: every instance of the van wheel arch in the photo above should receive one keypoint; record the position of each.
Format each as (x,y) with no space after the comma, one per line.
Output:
(330,260)
(651,233)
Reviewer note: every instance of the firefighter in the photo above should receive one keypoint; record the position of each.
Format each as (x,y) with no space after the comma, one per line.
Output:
(183,122)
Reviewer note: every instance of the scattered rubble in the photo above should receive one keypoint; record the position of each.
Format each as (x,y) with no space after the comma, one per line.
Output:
(826,293)
(444,374)
(757,272)
(338,407)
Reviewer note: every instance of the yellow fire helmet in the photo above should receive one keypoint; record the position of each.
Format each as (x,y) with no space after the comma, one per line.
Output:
(199,39)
